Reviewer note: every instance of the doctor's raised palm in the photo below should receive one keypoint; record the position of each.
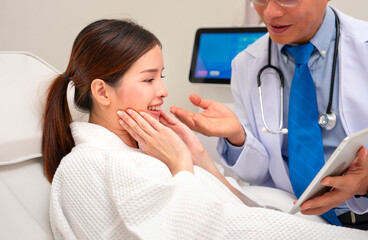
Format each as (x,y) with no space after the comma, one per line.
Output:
(216,120)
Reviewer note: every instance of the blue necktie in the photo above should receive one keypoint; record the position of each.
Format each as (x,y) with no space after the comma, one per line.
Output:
(305,149)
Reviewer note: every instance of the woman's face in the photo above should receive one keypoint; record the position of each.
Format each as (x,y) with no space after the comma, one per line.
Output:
(141,86)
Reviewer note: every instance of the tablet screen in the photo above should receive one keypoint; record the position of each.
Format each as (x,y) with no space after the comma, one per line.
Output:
(215,48)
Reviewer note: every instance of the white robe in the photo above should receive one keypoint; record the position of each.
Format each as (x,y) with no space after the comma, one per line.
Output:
(104,189)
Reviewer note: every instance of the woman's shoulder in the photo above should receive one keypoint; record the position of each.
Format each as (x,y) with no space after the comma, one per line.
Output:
(85,154)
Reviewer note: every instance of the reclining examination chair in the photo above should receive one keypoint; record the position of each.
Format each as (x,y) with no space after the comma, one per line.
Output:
(24,189)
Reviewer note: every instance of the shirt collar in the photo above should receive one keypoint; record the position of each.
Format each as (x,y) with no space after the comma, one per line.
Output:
(323,37)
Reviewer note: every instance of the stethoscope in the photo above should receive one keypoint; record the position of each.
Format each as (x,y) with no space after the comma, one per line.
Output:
(326,120)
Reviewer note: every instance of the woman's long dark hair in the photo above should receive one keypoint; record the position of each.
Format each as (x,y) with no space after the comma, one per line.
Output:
(105,49)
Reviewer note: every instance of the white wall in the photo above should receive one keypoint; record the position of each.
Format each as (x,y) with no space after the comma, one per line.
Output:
(47,28)
(355,8)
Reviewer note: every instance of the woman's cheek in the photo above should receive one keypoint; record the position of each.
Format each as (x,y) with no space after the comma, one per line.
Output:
(134,98)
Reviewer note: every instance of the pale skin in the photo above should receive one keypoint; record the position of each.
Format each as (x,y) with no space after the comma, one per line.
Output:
(285,25)
(158,134)
(140,88)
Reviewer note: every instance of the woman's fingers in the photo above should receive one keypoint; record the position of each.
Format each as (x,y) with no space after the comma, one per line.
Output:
(165,123)
(132,126)
(173,123)
(144,121)
(126,122)
(154,123)
(157,140)
(169,118)
(137,123)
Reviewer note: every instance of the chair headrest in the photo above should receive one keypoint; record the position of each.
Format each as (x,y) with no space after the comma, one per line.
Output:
(24,79)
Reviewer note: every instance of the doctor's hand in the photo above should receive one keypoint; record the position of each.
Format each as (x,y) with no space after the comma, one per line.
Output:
(200,156)
(157,140)
(216,120)
(353,182)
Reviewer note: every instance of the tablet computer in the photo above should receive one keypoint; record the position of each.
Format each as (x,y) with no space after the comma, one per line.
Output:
(336,165)
(215,48)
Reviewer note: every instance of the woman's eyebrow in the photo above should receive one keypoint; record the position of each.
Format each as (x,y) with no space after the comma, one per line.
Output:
(152,70)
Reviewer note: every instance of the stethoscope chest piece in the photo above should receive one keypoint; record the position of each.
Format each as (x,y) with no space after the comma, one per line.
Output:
(327,120)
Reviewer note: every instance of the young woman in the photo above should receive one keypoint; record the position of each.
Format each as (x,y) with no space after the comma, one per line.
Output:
(133,171)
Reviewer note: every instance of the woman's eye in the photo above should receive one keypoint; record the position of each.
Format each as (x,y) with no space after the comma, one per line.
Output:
(149,80)
(162,76)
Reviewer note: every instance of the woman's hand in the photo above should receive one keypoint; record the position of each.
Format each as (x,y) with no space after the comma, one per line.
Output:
(216,120)
(189,138)
(353,182)
(157,140)
(169,142)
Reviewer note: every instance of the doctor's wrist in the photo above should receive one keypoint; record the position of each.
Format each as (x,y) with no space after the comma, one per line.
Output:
(238,138)
(238,142)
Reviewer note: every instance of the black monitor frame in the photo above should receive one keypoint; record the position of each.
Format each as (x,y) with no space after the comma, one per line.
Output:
(200,31)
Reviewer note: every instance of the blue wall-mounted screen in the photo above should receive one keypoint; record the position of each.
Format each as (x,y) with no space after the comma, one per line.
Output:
(215,48)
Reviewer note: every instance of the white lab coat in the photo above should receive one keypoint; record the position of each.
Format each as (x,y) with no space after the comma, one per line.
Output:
(260,161)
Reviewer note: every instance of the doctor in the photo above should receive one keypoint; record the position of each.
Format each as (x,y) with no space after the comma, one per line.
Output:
(262,158)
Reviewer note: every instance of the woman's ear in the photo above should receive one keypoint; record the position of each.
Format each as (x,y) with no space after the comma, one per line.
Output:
(100,92)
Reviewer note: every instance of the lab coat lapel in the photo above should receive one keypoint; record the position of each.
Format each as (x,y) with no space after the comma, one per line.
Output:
(271,105)
(353,97)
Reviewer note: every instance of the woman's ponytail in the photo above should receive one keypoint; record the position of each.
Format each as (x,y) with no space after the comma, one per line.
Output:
(57,140)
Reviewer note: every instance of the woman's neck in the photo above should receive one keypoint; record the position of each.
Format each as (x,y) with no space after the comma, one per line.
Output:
(114,126)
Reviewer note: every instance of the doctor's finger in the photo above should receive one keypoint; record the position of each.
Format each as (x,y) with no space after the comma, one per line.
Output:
(316,211)
(183,115)
(327,201)
(324,203)
(363,152)
(340,182)
(199,101)
(354,181)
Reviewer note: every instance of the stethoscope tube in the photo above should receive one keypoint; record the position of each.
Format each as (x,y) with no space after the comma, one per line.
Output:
(326,120)
(259,83)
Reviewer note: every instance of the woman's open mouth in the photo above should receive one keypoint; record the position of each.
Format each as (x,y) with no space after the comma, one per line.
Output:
(154,110)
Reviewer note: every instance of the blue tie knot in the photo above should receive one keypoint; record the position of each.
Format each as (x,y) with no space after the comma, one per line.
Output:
(301,53)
